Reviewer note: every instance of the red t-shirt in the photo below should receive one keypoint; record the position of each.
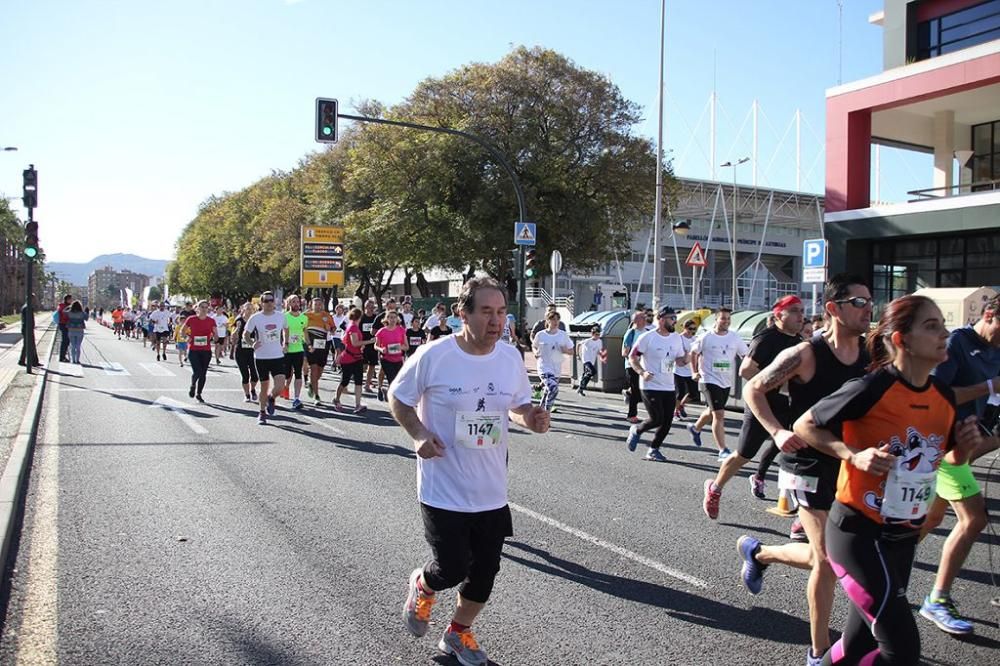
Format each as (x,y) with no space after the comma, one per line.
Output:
(351,353)
(391,340)
(200,332)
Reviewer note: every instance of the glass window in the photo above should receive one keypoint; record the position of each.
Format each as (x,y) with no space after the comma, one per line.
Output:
(963,30)
(980,38)
(970,14)
(981,140)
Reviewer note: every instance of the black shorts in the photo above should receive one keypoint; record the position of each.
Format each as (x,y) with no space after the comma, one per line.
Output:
(129,325)
(318,357)
(370,355)
(162,335)
(686,386)
(823,498)
(752,433)
(221,340)
(351,371)
(293,364)
(270,367)
(714,396)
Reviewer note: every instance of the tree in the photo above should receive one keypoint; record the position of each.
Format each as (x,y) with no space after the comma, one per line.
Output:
(155,293)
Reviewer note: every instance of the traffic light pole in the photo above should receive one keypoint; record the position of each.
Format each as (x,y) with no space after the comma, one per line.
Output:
(28,314)
(496,154)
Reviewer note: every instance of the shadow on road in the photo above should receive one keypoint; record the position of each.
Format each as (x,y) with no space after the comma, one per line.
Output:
(758,622)
(355,445)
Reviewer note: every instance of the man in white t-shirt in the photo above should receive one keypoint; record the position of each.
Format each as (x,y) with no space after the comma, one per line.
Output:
(655,357)
(455,397)
(161,319)
(550,345)
(713,360)
(268,352)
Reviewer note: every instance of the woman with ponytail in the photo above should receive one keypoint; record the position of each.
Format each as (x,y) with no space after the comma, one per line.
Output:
(891,429)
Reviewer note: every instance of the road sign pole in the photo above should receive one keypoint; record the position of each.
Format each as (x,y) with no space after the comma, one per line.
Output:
(815,289)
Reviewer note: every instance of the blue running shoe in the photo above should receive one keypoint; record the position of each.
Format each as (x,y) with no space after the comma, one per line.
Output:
(724,453)
(633,438)
(752,572)
(943,613)
(654,455)
(270,406)
(695,435)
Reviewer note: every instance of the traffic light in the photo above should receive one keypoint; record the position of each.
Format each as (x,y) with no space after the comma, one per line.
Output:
(31,239)
(30,197)
(531,264)
(326,120)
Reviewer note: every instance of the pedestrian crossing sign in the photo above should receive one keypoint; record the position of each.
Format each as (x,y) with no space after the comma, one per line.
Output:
(524,233)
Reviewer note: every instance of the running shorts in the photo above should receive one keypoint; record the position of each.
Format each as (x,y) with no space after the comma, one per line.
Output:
(162,335)
(221,340)
(956,482)
(752,436)
(318,357)
(182,346)
(686,386)
(823,498)
(270,367)
(714,396)
(293,364)
(352,371)
(129,325)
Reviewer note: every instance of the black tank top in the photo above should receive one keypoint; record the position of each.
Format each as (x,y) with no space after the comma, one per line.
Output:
(830,374)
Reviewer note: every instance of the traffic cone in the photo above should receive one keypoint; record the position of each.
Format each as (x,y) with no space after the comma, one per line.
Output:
(784,506)
(284,391)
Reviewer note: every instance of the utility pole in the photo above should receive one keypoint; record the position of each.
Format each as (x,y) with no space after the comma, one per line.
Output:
(658,206)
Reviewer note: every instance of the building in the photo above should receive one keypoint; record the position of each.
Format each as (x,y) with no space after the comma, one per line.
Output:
(939,94)
(106,286)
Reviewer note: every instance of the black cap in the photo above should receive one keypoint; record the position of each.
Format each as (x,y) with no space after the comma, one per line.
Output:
(666,311)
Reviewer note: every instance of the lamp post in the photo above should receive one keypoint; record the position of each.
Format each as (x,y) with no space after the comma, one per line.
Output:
(658,206)
(735,164)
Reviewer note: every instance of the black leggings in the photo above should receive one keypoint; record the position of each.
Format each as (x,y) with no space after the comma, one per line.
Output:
(200,360)
(634,395)
(771,452)
(660,408)
(391,369)
(874,572)
(248,368)
(589,371)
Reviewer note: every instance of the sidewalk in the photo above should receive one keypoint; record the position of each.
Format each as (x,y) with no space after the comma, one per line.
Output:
(10,348)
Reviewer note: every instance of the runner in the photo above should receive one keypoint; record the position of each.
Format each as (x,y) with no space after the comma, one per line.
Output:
(160,320)
(436,316)
(415,336)
(455,398)
(787,317)
(180,342)
(973,372)
(633,394)
(813,370)
(455,320)
(407,314)
(200,330)
(391,345)
(654,357)
(320,324)
(268,327)
(712,358)
(891,431)
(128,319)
(509,332)
(687,387)
(295,335)
(244,354)
(221,333)
(352,361)
(589,351)
(116,322)
(549,346)
(337,335)
(442,329)
(367,324)
(145,329)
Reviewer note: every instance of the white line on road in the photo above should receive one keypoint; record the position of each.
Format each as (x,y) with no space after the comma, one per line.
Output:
(618,550)
(114,369)
(177,408)
(157,370)
(322,424)
(70,370)
(36,637)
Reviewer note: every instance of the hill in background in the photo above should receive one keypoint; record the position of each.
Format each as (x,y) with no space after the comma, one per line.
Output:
(77,274)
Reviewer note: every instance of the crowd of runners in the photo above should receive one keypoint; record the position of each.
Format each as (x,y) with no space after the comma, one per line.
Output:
(873,429)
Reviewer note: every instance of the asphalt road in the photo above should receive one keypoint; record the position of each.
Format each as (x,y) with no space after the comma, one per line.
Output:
(162,531)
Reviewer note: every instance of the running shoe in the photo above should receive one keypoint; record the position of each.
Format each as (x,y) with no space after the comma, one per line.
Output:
(309,391)
(580,391)
(695,435)
(361,409)
(463,646)
(710,505)
(812,660)
(261,419)
(296,404)
(337,406)
(752,571)
(191,392)
(247,398)
(253,395)
(381,394)
(757,487)
(417,608)
(724,453)
(683,413)
(318,403)
(798,533)
(633,438)
(270,405)
(943,613)
(654,455)
(199,398)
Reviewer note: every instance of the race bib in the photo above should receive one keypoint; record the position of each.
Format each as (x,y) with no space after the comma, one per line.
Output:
(908,494)
(319,345)
(366,328)
(667,365)
(479,430)
(201,340)
(294,339)
(415,342)
(722,366)
(789,481)
(394,348)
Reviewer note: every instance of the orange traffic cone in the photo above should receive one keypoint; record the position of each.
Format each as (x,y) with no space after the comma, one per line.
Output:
(284,392)
(784,507)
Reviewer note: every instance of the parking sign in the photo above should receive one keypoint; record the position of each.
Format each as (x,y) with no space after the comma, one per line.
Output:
(814,260)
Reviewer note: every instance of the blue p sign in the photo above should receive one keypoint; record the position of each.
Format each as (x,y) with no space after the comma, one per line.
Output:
(814,253)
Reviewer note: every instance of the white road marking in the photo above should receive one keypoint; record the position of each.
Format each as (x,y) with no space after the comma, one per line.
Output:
(177,408)
(607,545)
(70,369)
(114,369)
(36,639)
(157,370)
(323,424)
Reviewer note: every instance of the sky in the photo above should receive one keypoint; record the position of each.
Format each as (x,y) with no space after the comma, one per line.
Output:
(134,112)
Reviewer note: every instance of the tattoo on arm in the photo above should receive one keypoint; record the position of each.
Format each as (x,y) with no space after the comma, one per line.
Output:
(779,371)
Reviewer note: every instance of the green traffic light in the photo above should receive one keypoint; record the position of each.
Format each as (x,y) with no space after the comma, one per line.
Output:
(529,273)
(31,252)
(327,130)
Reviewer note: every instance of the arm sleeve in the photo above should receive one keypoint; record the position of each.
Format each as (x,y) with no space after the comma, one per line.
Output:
(850,402)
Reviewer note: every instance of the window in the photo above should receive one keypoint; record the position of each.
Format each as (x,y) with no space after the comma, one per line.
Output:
(986,155)
(959,30)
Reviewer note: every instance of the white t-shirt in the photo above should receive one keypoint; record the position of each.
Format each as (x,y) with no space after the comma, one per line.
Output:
(161,320)
(550,349)
(407,318)
(718,357)
(221,325)
(268,329)
(464,400)
(658,354)
(432,321)
(589,349)
(338,332)
(685,370)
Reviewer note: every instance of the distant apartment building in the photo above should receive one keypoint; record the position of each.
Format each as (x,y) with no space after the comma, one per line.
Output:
(106,286)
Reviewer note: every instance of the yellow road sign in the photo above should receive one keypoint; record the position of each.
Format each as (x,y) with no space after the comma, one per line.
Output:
(321,256)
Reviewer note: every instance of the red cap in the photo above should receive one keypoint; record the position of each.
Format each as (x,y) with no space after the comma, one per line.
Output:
(784,303)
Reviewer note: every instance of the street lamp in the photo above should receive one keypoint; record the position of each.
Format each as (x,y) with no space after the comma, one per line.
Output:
(733,237)
(682,227)
(9,149)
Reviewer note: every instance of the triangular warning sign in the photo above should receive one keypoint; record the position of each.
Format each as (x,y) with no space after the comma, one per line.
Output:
(696,257)
(526,233)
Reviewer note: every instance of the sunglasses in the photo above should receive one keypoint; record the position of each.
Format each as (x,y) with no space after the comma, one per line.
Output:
(267,300)
(858,301)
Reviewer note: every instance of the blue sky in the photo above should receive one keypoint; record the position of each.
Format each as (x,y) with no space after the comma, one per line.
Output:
(135,111)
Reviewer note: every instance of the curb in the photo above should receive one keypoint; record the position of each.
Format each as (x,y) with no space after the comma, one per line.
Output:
(15,475)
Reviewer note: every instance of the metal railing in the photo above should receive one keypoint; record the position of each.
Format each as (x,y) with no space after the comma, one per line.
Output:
(959,190)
